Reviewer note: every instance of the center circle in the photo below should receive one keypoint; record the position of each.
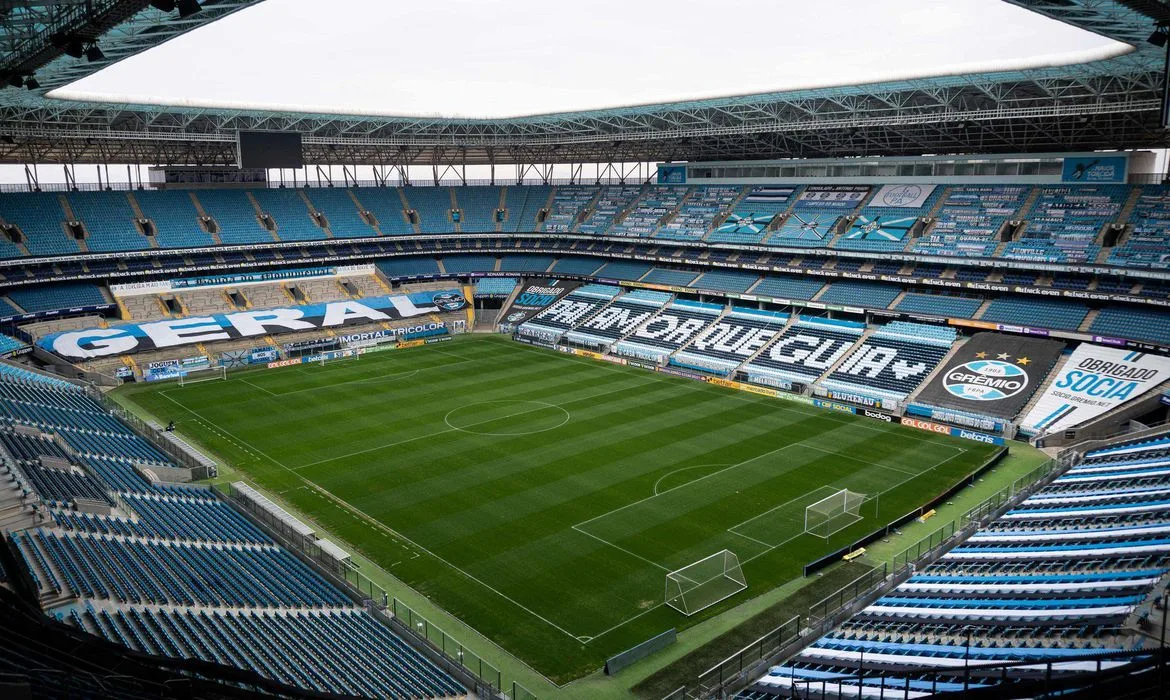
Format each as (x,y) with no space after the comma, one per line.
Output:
(506,417)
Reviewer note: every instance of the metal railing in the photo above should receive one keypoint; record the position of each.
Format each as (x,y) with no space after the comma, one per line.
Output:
(992,505)
(451,648)
(925,546)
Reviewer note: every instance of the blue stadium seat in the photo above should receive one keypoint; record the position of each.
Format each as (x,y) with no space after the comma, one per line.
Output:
(1036,313)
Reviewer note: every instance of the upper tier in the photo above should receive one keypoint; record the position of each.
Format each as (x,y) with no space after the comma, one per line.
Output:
(1119,225)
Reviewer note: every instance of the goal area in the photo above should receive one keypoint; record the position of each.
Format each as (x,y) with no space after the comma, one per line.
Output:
(834,513)
(708,581)
(202,374)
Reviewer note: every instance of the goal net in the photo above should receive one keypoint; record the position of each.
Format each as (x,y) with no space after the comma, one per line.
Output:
(338,355)
(833,513)
(202,374)
(708,581)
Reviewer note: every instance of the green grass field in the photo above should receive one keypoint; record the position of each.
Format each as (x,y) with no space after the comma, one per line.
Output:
(542,497)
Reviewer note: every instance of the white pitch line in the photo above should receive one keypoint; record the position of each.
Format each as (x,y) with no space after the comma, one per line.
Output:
(361,515)
(778,404)
(619,547)
(470,425)
(254,386)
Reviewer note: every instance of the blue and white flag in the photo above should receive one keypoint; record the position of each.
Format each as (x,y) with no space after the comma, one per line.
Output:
(746,223)
(881,228)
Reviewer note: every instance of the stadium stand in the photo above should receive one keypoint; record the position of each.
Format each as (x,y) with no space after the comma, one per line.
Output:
(623,270)
(649,211)
(433,205)
(883,228)
(569,205)
(1148,241)
(235,215)
(478,206)
(386,205)
(970,220)
(1051,582)
(803,352)
(408,267)
(523,204)
(525,263)
(1037,313)
(673,327)
(495,286)
(462,264)
(732,340)
(676,278)
(573,265)
(550,324)
(340,210)
(109,221)
(788,287)
(1140,324)
(1064,223)
(41,219)
(58,296)
(175,219)
(618,319)
(698,213)
(228,594)
(874,295)
(291,214)
(892,361)
(610,203)
(726,281)
(749,223)
(939,305)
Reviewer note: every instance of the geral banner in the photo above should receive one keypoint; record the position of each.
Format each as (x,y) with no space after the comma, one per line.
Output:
(136,337)
(903,196)
(1095,380)
(535,295)
(992,374)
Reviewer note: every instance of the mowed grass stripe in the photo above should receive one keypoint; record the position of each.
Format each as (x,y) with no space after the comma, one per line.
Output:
(498,511)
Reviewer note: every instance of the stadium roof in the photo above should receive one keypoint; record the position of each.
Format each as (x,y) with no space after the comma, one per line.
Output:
(1104,102)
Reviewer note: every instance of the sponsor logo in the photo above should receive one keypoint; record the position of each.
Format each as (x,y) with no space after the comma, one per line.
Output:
(901,196)
(449,301)
(985,380)
(284,363)
(926,425)
(978,437)
(833,406)
(879,416)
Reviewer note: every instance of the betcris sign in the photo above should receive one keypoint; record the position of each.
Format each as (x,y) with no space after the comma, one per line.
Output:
(1098,169)
(136,337)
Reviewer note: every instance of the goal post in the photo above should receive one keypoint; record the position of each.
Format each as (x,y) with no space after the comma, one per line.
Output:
(336,355)
(202,374)
(704,583)
(834,513)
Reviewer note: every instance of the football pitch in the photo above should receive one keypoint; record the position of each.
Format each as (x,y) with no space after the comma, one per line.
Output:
(542,497)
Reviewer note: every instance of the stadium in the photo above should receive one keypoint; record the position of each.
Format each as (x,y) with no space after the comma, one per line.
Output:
(853,389)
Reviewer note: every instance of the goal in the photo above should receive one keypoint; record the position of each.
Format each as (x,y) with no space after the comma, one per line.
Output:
(335,355)
(202,374)
(833,513)
(708,581)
